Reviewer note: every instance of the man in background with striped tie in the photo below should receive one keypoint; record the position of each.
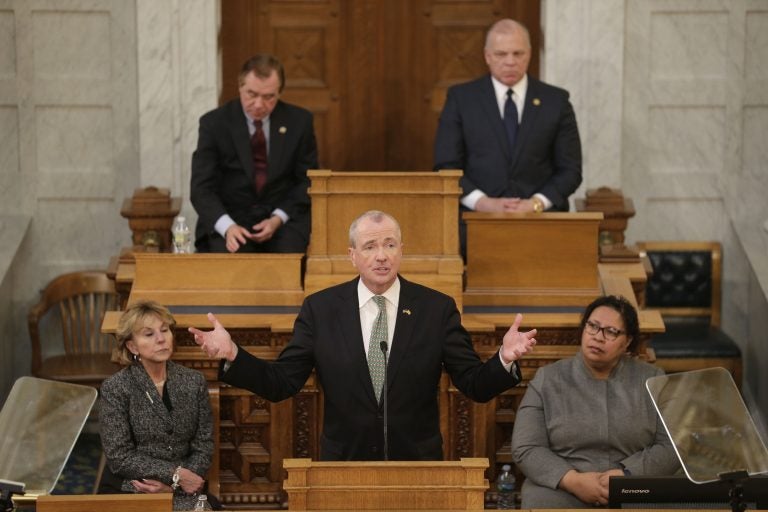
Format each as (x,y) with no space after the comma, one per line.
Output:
(249,171)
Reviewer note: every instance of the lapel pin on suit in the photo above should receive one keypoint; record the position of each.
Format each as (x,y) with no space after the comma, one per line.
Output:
(282,130)
(407,312)
(536,102)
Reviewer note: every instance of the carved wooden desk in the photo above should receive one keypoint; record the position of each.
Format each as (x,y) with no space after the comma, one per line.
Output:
(256,435)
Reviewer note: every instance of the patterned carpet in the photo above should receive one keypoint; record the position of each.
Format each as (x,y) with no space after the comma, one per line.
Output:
(79,474)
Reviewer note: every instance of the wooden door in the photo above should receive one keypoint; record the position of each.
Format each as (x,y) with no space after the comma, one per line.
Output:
(374,72)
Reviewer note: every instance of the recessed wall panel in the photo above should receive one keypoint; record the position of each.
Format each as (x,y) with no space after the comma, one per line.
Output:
(75,147)
(304,55)
(71,45)
(7,45)
(74,231)
(661,215)
(9,140)
(688,45)
(460,53)
(686,139)
(755,141)
(756,46)
(10,179)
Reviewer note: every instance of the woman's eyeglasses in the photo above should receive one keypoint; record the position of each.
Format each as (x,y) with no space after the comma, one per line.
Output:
(609,333)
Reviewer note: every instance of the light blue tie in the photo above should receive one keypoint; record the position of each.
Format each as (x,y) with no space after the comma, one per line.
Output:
(375,355)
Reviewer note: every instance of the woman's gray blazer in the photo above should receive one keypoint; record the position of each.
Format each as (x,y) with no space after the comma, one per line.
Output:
(141,438)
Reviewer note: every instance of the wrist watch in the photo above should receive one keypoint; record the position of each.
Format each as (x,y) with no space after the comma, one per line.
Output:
(538,204)
(175,478)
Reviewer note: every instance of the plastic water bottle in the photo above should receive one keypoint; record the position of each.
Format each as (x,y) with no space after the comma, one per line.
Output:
(182,237)
(202,503)
(505,488)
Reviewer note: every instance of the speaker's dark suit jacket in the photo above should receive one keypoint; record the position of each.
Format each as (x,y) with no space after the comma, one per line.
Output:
(327,337)
(546,158)
(223,176)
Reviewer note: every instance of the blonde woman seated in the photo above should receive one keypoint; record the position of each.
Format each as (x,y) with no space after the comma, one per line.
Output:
(155,415)
(589,417)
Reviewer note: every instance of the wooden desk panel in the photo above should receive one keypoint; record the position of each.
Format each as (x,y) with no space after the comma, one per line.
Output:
(543,259)
(390,485)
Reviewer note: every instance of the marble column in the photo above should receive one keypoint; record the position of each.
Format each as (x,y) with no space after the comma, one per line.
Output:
(179,80)
(584,53)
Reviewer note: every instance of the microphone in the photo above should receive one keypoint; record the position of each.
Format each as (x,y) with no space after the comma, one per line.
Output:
(383,346)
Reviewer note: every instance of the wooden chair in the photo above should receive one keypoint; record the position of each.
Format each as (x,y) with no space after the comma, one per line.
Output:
(685,287)
(69,317)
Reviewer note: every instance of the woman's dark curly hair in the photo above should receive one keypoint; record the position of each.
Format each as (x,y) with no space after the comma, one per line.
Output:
(623,307)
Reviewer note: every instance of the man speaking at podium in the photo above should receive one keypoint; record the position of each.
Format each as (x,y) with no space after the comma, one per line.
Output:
(347,332)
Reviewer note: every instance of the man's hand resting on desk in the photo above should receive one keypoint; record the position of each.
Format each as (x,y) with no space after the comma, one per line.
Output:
(504,204)
(516,344)
(265,229)
(236,237)
(217,343)
(497,204)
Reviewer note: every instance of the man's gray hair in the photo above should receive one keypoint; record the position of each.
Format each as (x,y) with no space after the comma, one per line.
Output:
(376,216)
(506,26)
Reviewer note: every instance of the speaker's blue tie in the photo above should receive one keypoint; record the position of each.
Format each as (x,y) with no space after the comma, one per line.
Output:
(510,119)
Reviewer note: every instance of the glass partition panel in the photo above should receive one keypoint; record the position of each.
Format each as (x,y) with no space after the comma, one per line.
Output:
(708,423)
(39,424)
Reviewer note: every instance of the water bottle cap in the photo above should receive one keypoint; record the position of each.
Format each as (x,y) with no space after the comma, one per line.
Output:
(181,218)
(202,497)
(506,467)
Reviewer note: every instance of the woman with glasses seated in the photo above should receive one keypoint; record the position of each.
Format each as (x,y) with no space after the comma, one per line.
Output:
(589,417)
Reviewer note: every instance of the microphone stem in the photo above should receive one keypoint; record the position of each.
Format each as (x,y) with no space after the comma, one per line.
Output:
(384,398)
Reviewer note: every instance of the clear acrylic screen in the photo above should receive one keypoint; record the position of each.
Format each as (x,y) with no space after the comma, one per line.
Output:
(39,424)
(708,423)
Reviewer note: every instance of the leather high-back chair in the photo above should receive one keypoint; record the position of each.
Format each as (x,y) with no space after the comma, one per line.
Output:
(685,288)
(72,308)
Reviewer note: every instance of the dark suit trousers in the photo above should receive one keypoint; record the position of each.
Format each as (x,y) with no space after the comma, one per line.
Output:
(286,239)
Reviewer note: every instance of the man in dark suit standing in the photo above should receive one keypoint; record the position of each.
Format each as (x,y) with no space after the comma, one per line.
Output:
(249,171)
(339,333)
(515,138)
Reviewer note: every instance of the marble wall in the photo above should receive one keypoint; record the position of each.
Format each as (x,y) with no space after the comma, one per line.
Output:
(178,81)
(68,107)
(97,98)
(13,228)
(584,53)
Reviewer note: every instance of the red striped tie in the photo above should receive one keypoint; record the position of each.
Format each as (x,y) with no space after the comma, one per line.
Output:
(259,149)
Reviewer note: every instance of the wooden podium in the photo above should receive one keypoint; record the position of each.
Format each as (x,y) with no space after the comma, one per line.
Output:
(424,203)
(532,259)
(417,485)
